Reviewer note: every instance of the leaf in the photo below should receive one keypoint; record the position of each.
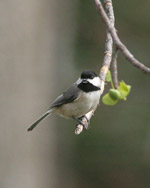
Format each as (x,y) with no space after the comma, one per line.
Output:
(124,90)
(108,100)
(108,76)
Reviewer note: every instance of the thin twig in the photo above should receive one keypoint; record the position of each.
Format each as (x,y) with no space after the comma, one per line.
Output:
(129,56)
(115,69)
(105,65)
(108,42)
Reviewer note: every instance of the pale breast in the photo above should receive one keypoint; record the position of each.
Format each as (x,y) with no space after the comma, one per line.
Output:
(85,103)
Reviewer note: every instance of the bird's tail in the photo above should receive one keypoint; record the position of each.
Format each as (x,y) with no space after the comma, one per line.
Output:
(47,113)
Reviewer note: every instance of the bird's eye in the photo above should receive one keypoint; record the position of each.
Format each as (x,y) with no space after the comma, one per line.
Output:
(92,77)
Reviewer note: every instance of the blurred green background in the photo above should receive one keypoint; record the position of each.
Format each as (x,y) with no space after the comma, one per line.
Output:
(45,45)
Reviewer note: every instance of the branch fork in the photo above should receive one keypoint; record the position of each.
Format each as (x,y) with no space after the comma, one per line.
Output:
(108,18)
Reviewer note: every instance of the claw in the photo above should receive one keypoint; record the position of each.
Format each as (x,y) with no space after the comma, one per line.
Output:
(79,120)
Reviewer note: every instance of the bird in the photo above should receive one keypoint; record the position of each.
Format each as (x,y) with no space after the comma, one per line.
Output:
(77,100)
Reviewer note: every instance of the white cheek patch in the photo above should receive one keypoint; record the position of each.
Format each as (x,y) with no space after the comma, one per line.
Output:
(95,81)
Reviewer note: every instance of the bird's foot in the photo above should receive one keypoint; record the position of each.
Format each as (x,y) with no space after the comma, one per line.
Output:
(85,118)
(79,120)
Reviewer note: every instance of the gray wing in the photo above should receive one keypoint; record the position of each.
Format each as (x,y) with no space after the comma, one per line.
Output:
(71,94)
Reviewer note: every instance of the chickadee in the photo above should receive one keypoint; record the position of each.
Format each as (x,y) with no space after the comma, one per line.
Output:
(80,98)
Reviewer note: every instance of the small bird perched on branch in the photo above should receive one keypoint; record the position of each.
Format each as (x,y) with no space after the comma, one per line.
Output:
(80,98)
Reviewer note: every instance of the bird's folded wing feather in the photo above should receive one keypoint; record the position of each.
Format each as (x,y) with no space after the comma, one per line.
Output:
(71,94)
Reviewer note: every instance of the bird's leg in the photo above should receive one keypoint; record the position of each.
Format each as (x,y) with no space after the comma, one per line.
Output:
(84,116)
(79,120)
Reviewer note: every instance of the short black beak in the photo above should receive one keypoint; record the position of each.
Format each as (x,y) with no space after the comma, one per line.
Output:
(84,81)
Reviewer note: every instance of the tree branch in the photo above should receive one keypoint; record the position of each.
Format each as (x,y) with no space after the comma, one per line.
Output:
(115,69)
(105,65)
(129,56)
